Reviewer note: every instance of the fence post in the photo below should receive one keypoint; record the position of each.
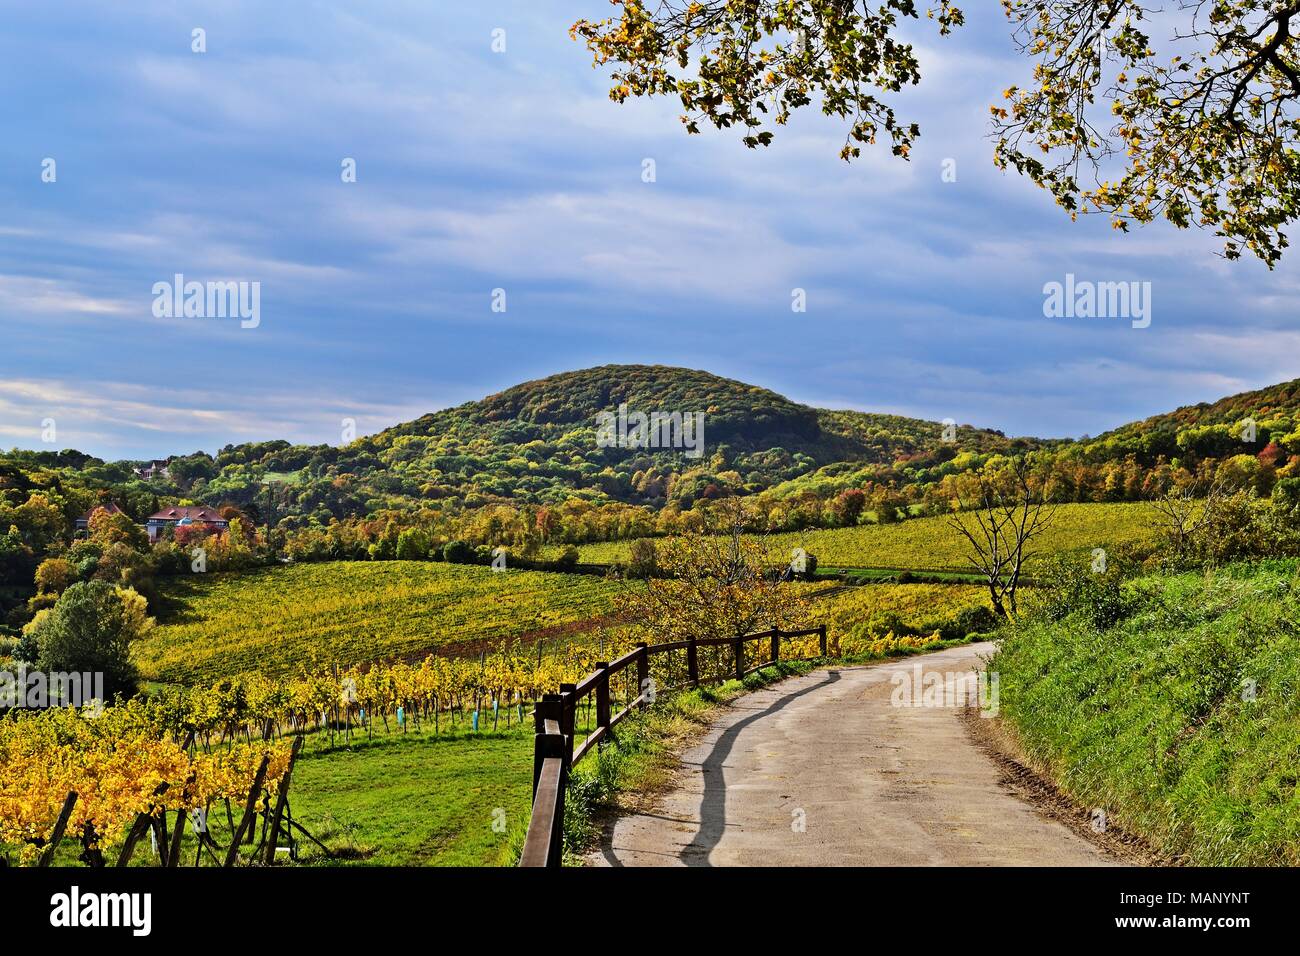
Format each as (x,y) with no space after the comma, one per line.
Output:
(821,638)
(548,708)
(776,644)
(692,663)
(642,672)
(602,695)
(568,720)
(739,643)
(555,857)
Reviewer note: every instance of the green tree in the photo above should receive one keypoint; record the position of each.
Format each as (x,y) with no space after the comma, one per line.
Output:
(91,629)
(412,545)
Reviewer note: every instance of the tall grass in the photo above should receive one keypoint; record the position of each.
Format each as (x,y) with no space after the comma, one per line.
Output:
(1171,702)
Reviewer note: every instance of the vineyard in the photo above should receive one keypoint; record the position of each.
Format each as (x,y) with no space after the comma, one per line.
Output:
(921,544)
(275,620)
(860,618)
(327,659)
(101,776)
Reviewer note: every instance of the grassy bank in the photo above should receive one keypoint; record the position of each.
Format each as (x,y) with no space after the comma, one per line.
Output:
(1172,702)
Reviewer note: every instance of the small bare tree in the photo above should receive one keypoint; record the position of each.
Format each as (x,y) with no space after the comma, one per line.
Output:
(1010,515)
(1181,515)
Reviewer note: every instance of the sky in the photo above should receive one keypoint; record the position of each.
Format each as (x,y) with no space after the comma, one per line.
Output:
(479,170)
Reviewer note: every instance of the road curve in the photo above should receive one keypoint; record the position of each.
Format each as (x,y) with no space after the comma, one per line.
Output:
(823,770)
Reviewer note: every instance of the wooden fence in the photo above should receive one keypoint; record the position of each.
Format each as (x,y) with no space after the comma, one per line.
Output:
(554,750)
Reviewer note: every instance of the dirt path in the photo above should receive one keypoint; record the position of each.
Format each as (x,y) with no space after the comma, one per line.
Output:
(822,770)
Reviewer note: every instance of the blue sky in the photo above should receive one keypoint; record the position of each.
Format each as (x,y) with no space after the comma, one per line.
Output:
(479,170)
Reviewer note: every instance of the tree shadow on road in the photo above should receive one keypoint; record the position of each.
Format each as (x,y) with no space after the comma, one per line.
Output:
(713,806)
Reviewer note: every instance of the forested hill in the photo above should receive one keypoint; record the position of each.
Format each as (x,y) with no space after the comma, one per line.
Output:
(536,444)
(763,435)
(1211,429)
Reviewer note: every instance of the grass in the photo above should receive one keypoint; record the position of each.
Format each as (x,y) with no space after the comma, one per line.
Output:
(418,800)
(275,619)
(1172,702)
(457,799)
(930,545)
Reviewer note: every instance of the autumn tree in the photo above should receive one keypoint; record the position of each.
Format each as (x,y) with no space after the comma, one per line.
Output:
(713,583)
(1131,109)
(757,61)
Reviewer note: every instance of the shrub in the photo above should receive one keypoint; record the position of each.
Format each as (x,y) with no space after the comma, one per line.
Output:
(643,559)
(457,552)
(412,545)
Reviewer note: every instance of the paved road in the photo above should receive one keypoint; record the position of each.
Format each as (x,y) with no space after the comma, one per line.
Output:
(823,770)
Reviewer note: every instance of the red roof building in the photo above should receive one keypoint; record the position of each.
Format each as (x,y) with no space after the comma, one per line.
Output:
(184,515)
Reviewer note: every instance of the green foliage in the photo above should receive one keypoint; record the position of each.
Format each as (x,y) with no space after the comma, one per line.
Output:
(458,552)
(91,629)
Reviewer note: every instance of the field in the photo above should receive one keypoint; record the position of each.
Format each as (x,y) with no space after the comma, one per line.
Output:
(276,619)
(418,800)
(880,608)
(923,544)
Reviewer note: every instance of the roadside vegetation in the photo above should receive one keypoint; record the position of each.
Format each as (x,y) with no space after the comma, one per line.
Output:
(1164,689)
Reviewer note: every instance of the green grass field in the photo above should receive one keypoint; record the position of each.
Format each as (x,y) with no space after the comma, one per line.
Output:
(417,800)
(1171,703)
(929,544)
(275,619)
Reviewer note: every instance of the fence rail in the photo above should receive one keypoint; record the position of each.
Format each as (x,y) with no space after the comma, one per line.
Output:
(555,751)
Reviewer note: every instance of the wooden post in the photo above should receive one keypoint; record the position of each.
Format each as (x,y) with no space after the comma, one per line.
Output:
(739,644)
(552,746)
(174,852)
(602,695)
(138,829)
(821,638)
(249,807)
(281,797)
(568,719)
(776,644)
(642,672)
(548,708)
(61,824)
(693,662)
(556,856)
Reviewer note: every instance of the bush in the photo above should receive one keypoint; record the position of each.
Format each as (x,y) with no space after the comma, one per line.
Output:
(457,552)
(643,560)
(412,545)
(568,559)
